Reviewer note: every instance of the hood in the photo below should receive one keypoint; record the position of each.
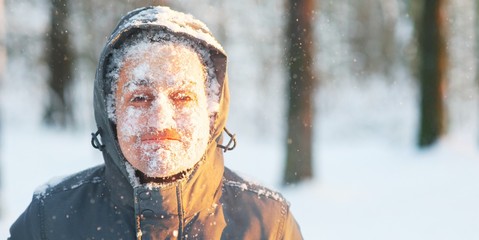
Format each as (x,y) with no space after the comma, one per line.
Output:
(161,19)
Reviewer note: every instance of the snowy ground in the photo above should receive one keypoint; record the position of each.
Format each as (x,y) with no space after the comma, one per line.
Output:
(372,183)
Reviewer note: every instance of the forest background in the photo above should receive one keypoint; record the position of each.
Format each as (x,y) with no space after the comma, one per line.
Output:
(371,177)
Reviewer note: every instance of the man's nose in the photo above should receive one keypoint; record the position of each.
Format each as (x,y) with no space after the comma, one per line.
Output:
(162,112)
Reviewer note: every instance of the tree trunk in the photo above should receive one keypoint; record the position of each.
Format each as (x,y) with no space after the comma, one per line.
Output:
(301,86)
(3,59)
(432,38)
(60,61)
(477,41)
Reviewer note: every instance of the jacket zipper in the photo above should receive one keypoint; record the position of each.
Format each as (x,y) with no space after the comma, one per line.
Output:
(180,211)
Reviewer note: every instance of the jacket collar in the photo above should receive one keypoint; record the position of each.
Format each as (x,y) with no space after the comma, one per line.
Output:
(200,191)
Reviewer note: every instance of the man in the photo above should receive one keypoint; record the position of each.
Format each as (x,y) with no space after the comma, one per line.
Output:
(161,103)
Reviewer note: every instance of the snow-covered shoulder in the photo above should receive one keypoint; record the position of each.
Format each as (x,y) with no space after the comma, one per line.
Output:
(61,184)
(233,180)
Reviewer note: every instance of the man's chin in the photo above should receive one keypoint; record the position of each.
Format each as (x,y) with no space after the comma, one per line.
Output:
(165,145)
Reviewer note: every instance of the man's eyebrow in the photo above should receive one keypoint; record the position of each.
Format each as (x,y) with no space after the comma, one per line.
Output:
(191,82)
(137,82)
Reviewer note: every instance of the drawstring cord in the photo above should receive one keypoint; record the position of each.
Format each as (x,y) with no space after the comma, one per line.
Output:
(232,140)
(95,142)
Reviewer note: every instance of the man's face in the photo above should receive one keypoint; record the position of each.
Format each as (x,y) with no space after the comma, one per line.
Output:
(161,107)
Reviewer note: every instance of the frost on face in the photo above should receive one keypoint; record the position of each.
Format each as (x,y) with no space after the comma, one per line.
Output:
(162,108)
(142,42)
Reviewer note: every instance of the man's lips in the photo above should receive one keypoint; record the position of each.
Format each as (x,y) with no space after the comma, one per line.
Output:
(166,134)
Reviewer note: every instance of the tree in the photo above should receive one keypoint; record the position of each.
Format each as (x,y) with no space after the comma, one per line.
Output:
(59,110)
(3,57)
(301,85)
(477,40)
(372,36)
(433,66)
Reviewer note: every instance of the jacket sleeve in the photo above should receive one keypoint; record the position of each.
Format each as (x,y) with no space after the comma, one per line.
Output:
(28,225)
(291,230)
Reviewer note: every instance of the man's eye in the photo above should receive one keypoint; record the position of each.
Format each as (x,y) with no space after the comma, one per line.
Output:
(140,99)
(182,97)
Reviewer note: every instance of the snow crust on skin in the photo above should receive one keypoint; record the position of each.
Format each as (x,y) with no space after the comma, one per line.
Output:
(140,45)
(176,22)
(164,158)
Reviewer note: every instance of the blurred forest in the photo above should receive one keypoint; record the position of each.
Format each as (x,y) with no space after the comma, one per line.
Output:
(355,44)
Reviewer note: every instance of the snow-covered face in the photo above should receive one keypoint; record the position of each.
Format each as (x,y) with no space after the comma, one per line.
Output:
(161,109)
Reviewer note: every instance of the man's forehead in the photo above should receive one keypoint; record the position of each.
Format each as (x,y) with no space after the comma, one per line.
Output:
(159,51)
(159,64)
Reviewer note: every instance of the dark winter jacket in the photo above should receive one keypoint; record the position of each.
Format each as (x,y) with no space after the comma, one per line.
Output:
(211,203)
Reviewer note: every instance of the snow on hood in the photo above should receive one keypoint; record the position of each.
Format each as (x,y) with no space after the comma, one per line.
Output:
(175,21)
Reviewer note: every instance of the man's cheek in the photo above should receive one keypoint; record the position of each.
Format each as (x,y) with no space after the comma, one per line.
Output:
(131,122)
(183,119)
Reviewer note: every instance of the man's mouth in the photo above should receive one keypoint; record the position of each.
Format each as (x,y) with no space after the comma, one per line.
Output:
(163,135)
